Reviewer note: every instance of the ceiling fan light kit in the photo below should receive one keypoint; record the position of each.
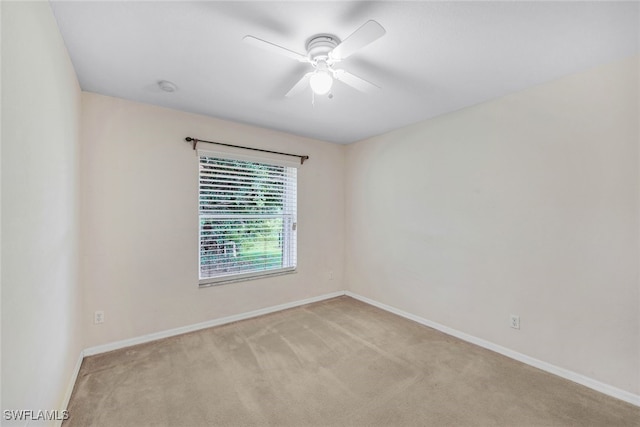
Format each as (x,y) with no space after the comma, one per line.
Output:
(323,52)
(321,80)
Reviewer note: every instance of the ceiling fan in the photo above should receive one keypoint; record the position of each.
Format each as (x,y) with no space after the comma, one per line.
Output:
(323,52)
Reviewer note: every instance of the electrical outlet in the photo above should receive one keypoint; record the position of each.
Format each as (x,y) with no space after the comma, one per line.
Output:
(330,275)
(98,317)
(515,321)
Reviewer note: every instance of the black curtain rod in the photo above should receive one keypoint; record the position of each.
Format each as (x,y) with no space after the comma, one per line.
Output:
(195,141)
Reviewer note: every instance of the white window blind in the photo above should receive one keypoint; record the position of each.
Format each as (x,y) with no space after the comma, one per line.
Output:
(247,215)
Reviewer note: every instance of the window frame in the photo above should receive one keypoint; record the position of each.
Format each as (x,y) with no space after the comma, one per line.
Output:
(289,232)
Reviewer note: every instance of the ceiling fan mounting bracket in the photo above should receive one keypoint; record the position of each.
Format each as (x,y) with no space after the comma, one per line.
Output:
(320,45)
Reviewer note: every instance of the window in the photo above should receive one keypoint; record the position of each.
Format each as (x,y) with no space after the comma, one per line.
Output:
(247,215)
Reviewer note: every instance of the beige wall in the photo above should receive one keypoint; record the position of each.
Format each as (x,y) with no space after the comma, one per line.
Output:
(41,294)
(140,220)
(526,205)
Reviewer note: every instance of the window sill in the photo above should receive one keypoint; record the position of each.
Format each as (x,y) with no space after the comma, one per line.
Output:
(205,283)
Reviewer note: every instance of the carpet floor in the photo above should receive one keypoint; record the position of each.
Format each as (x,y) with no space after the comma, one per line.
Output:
(338,362)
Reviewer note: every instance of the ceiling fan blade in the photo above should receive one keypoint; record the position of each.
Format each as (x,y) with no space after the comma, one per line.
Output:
(300,86)
(355,82)
(367,33)
(274,48)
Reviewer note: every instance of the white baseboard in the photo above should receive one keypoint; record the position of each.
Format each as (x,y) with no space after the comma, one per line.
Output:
(208,324)
(607,389)
(601,387)
(72,383)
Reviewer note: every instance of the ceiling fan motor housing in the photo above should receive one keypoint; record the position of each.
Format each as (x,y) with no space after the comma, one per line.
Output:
(320,45)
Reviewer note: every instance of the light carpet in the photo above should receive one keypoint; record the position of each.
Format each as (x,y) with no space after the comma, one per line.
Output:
(338,362)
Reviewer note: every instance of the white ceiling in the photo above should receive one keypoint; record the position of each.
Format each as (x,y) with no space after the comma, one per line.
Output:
(436,57)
